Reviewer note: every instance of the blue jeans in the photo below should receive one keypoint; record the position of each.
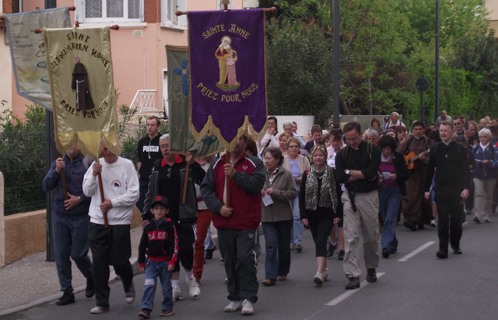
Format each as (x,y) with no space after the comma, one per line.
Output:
(297,226)
(70,241)
(278,257)
(209,242)
(389,199)
(152,270)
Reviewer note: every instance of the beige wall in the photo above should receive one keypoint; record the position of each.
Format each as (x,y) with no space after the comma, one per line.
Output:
(5,75)
(492,7)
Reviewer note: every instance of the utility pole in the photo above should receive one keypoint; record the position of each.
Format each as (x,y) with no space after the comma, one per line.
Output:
(336,19)
(436,114)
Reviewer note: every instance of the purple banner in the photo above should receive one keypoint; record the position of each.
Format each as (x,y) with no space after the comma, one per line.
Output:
(227,72)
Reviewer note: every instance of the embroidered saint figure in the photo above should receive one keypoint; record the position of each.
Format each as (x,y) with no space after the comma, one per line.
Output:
(232,78)
(222,54)
(80,85)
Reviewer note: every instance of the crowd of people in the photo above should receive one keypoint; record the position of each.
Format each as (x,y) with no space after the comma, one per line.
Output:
(337,184)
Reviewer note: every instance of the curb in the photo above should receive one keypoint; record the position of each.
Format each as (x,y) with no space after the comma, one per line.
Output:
(113,278)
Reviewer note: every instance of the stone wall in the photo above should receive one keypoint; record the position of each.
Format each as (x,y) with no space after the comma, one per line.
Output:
(24,234)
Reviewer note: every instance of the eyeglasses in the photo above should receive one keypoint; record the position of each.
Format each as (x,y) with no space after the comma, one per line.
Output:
(352,139)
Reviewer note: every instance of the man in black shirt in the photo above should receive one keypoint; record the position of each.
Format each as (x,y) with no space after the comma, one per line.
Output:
(357,166)
(148,152)
(451,188)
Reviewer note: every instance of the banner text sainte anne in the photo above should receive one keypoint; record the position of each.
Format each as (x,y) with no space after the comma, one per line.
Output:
(221,28)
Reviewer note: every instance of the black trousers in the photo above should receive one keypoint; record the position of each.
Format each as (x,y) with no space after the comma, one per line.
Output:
(238,249)
(320,230)
(109,246)
(186,240)
(449,216)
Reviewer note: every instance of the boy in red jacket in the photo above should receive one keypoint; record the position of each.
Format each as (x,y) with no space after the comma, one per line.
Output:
(160,243)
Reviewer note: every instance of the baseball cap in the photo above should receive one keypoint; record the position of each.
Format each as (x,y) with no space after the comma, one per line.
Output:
(386,118)
(160,199)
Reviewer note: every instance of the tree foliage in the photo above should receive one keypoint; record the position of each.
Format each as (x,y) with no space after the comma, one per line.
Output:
(386,45)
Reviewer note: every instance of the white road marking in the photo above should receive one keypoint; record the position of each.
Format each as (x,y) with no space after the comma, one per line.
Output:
(416,251)
(349,293)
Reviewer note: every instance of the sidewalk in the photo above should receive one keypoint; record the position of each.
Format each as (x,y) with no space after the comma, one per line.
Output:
(33,280)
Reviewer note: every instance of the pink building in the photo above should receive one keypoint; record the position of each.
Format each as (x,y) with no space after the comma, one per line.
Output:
(138,47)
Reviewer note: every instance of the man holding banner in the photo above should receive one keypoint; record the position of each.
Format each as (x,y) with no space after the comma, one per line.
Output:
(168,180)
(237,224)
(95,128)
(111,245)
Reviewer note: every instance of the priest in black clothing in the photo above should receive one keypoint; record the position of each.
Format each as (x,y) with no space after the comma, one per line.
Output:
(451,189)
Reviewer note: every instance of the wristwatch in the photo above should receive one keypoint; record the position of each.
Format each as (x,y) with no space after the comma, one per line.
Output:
(347,171)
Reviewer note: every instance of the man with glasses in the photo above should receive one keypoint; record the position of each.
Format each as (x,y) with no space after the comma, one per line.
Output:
(167,180)
(457,123)
(357,166)
(451,190)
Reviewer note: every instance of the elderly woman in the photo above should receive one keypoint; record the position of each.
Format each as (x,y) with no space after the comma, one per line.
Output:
(393,177)
(318,203)
(282,142)
(484,176)
(276,216)
(297,164)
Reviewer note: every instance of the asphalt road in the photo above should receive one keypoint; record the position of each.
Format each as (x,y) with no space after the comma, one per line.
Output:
(419,287)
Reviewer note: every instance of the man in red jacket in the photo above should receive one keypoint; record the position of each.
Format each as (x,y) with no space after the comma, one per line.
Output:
(237,224)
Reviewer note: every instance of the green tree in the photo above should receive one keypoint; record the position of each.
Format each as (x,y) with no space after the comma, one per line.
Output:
(478,55)
(299,70)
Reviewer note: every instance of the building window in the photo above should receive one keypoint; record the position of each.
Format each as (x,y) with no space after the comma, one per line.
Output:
(168,12)
(112,10)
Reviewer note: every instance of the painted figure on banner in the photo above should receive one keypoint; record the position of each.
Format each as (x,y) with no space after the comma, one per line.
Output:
(222,54)
(232,77)
(80,85)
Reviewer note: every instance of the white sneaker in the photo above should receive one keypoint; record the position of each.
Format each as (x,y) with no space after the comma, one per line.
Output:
(193,286)
(318,278)
(234,306)
(99,310)
(247,307)
(325,275)
(177,293)
(433,223)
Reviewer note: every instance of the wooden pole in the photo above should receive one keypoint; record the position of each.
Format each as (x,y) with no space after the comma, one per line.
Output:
(227,180)
(271,10)
(63,177)
(114,27)
(187,169)
(102,198)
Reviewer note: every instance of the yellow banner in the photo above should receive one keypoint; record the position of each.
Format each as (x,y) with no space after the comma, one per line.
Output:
(81,83)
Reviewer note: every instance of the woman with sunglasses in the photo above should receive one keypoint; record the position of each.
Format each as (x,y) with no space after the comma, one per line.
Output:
(318,206)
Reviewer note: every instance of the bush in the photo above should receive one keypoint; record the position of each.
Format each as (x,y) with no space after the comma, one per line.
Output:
(22,160)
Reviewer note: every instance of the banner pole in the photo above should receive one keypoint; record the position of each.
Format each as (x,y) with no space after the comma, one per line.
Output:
(227,180)
(101,188)
(186,181)
(63,177)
